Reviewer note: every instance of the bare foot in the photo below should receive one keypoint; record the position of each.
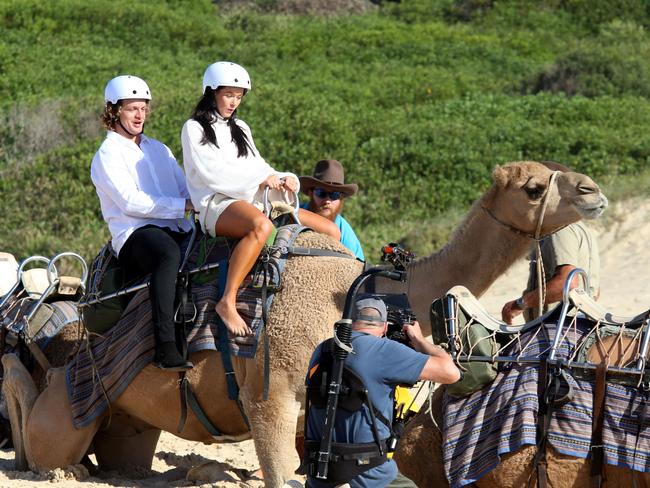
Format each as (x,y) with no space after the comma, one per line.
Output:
(231,318)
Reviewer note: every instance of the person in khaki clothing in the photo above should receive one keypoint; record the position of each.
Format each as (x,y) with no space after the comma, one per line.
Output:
(572,247)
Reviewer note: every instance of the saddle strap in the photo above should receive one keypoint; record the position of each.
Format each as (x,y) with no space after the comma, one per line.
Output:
(544,413)
(226,360)
(597,455)
(267,352)
(39,356)
(640,426)
(189,398)
(183,287)
(307,251)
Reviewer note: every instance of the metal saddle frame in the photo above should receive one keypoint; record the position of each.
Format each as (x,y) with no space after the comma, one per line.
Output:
(27,326)
(575,303)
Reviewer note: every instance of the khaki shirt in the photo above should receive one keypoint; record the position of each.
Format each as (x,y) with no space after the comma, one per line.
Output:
(576,245)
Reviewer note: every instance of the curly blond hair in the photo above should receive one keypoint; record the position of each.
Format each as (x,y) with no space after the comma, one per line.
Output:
(111,114)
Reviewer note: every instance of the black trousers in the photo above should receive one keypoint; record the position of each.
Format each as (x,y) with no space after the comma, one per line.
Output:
(156,251)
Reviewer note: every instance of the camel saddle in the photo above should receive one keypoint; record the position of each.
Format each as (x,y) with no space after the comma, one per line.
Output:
(478,339)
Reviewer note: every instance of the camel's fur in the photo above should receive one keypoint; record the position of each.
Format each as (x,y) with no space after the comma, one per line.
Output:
(302,316)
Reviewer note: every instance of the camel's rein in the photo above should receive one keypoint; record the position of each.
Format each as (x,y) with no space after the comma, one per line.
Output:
(541,279)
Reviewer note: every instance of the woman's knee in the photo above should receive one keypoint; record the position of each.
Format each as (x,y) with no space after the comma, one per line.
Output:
(262,228)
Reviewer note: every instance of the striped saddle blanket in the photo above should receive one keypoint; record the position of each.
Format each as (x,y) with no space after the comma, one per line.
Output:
(45,324)
(502,417)
(118,355)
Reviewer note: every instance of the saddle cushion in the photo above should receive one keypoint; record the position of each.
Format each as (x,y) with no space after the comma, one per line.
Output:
(8,272)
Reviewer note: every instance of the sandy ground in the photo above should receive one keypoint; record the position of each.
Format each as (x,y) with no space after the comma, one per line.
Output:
(625,259)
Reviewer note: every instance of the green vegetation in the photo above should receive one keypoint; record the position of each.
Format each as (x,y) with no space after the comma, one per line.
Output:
(418,99)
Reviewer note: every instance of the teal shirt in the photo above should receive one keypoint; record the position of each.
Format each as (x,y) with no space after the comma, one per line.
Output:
(348,237)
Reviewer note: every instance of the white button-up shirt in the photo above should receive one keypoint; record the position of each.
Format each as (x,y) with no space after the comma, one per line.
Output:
(138,186)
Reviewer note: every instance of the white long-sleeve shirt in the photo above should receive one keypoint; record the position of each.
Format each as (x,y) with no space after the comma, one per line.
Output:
(138,186)
(217,170)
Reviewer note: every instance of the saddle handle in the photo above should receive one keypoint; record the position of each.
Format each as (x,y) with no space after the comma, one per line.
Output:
(268,206)
(565,308)
(53,273)
(567,283)
(29,260)
(19,275)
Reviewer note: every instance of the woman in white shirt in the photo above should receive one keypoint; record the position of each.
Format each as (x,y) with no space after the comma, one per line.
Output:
(226,177)
(143,197)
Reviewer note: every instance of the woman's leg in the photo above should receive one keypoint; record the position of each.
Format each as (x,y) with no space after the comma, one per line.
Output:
(319,224)
(243,221)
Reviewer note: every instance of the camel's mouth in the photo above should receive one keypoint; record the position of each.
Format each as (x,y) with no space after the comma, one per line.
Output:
(592,210)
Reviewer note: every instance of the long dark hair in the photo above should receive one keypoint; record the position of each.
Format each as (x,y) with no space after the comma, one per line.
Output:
(205,113)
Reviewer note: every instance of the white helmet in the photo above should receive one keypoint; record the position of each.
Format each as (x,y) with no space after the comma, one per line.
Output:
(225,73)
(126,87)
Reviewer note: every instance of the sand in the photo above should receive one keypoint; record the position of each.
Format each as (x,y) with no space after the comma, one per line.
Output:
(625,258)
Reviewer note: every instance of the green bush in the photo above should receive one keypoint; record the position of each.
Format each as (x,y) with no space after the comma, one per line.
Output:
(614,64)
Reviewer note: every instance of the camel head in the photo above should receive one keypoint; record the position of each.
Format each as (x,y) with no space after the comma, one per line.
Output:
(523,191)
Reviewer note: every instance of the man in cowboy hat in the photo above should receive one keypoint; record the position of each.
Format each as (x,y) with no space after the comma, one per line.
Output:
(326,191)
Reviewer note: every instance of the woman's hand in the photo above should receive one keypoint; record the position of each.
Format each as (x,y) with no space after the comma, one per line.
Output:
(290,183)
(273,182)
(188,205)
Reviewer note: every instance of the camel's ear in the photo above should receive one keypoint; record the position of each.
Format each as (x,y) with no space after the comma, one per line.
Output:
(501,175)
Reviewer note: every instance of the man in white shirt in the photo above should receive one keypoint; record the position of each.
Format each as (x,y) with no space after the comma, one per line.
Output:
(143,197)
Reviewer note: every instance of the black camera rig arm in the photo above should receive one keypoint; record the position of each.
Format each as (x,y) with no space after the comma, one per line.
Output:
(342,347)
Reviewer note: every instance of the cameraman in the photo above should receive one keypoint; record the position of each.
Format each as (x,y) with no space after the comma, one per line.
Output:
(381,364)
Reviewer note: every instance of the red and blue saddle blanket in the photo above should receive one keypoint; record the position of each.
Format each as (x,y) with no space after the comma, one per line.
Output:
(118,355)
(502,417)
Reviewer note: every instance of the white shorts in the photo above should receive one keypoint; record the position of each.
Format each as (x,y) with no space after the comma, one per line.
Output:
(219,203)
(213,211)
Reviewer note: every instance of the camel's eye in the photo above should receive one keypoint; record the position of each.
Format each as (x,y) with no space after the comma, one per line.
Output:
(535,192)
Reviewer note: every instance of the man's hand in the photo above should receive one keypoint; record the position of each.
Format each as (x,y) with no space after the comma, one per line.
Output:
(413,332)
(509,311)
(188,205)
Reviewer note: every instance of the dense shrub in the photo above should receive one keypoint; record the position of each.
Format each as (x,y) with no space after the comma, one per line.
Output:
(615,64)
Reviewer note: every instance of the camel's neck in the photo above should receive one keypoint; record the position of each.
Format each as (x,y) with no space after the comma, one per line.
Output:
(480,250)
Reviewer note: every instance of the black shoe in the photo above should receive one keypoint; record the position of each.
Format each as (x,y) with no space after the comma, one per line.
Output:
(168,358)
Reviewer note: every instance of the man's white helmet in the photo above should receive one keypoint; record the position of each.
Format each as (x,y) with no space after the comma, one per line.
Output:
(126,87)
(225,73)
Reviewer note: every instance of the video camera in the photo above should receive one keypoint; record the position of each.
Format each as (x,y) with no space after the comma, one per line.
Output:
(399,314)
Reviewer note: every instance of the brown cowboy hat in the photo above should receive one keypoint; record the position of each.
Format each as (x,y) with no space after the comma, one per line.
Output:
(328,174)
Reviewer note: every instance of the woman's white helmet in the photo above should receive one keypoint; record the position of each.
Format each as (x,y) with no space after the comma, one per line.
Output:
(225,73)
(126,87)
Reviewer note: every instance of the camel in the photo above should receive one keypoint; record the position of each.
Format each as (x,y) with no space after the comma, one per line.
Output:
(497,231)
(419,456)
(301,317)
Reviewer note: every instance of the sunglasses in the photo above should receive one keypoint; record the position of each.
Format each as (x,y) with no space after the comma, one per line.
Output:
(324,194)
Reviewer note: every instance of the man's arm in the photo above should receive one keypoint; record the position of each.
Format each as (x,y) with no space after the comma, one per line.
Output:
(554,288)
(439,368)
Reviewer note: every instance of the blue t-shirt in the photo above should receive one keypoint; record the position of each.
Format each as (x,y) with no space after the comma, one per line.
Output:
(348,237)
(382,364)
